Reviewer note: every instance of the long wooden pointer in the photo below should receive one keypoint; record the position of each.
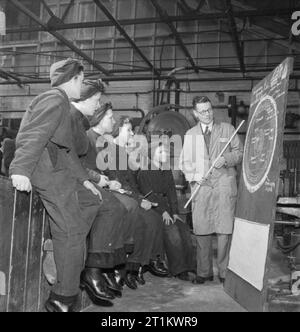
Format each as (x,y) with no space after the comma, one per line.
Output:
(213,165)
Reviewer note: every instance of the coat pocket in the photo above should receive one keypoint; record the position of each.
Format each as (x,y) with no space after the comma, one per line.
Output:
(228,184)
(222,143)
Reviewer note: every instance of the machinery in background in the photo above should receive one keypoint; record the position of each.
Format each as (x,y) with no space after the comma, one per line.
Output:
(288,238)
(285,293)
(236,110)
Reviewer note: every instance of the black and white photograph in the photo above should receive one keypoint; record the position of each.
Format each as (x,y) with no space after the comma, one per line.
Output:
(149,159)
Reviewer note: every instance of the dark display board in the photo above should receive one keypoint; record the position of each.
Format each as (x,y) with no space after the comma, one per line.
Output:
(246,280)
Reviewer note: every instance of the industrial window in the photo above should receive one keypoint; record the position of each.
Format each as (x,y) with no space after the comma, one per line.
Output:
(6,58)
(25,60)
(16,19)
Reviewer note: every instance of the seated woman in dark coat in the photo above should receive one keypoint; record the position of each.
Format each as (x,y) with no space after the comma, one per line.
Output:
(123,140)
(112,160)
(106,243)
(177,238)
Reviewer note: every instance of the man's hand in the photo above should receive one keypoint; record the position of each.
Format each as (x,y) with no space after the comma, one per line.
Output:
(104,181)
(176,217)
(89,186)
(167,218)
(114,185)
(146,205)
(201,182)
(220,162)
(21,183)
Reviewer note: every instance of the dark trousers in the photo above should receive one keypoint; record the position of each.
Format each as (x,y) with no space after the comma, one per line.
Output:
(69,231)
(179,249)
(74,213)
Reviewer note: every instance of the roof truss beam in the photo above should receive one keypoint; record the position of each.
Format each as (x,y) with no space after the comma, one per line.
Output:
(7,76)
(126,36)
(65,14)
(60,37)
(165,17)
(235,36)
(150,20)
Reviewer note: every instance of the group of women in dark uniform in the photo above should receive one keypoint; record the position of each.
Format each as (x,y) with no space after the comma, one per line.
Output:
(109,224)
(152,225)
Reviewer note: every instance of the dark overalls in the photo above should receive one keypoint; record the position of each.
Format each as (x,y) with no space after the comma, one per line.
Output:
(44,153)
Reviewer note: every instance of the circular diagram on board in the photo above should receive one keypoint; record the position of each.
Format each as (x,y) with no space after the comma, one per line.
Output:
(260,144)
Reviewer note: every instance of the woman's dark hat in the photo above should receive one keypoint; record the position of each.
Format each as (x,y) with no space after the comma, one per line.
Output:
(63,71)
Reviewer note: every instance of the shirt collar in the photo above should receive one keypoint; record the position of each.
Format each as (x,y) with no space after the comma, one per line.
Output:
(203,126)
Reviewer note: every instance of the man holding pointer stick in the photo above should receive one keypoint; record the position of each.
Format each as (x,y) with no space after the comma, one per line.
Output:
(211,148)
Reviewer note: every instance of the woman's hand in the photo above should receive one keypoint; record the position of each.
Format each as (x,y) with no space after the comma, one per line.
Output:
(176,217)
(104,181)
(89,186)
(21,182)
(146,205)
(167,218)
(114,185)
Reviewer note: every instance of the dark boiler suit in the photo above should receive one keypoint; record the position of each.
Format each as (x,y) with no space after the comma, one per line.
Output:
(45,154)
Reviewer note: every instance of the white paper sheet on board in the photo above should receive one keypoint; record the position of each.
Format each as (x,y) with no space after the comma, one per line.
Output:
(248,252)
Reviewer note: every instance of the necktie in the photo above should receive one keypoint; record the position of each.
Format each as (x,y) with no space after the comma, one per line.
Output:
(207,137)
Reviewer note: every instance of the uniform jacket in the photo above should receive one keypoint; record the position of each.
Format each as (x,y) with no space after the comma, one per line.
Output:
(112,161)
(44,141)
(83,148)
(9,148)
(214,205)
(161,183)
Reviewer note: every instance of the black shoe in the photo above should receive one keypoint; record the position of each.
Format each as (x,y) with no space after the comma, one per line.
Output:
(183,276)
(94,283)
(157,270)
(112,284)
(130,280)
(161,263)
(222,280)
(119,278)
(52,305)
(201,280)
(140,277)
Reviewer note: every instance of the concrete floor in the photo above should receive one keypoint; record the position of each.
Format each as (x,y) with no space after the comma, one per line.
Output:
(173,295)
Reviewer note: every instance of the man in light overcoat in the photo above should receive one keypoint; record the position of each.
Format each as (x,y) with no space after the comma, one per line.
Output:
(213,207)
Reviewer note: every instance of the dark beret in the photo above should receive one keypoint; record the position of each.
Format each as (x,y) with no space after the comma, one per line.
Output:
(63,71)
(90,88)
